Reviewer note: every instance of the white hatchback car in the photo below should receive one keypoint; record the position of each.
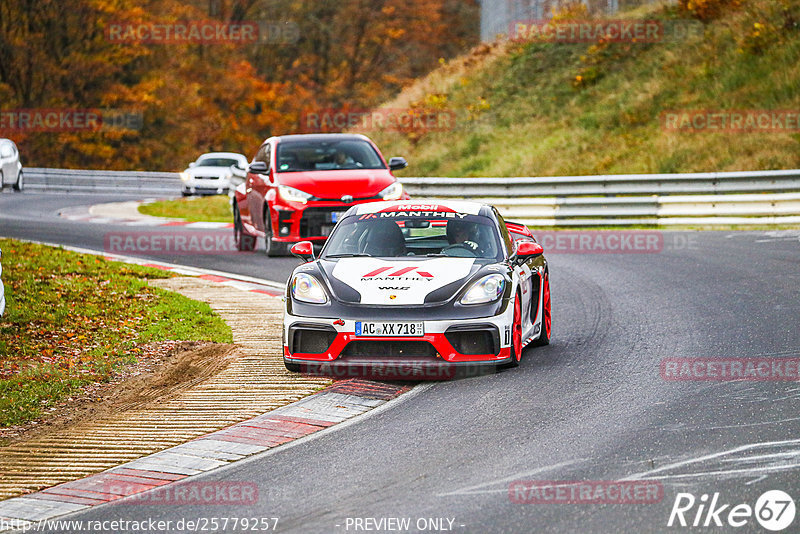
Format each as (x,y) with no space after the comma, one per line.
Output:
(214,173)
(10,166)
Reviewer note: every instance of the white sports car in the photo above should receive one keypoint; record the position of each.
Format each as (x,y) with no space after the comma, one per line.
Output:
(214,173)
(420,283)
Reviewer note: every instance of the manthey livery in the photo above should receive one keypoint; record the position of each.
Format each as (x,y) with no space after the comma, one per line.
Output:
(422,283)
(298,186)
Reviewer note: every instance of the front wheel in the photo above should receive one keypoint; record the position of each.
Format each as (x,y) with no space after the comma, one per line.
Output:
(244,242)
(20,183)
(516,334)
(544,335)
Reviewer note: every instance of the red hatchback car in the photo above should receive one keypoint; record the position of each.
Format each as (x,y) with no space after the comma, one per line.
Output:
(298,186)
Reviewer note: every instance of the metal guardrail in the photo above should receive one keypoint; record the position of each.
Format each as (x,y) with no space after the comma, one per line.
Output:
(84,181)
(751,197)
(740,198)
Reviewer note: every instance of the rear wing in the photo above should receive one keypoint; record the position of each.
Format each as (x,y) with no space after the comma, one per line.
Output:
(519,231)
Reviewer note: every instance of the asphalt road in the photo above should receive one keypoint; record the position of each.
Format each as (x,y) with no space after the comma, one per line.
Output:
(592,406)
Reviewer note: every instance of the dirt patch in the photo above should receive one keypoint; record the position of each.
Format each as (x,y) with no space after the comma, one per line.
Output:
(165,369)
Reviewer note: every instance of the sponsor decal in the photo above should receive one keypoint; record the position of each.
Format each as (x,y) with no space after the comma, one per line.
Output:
(426,214)
(398,273)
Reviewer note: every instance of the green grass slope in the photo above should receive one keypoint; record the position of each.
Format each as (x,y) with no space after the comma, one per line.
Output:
(540,109)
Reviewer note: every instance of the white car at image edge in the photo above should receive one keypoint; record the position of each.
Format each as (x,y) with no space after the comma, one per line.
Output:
(10,166)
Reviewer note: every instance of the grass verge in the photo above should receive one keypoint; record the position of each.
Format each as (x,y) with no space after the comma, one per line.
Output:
(73,320)
(215,208)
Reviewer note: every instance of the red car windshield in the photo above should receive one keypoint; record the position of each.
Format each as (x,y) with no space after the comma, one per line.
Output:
(299,156)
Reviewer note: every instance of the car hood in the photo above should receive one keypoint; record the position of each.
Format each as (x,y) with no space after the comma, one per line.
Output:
(360,183)
(399,282)
(208,171)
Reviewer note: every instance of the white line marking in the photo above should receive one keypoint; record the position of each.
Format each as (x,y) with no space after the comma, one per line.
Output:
(741,448)
(473,490)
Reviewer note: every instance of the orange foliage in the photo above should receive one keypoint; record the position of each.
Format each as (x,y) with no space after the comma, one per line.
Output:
(200,97)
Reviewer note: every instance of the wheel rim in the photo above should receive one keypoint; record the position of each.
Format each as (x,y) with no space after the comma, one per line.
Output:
(546,305)
(517,329)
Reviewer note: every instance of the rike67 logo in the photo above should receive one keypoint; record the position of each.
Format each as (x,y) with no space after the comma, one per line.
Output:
(774,510)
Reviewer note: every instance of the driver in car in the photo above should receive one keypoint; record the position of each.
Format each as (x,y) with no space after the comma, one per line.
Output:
(465,234)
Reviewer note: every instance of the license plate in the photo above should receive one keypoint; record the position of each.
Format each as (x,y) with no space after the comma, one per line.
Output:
(336,215)
(389,329)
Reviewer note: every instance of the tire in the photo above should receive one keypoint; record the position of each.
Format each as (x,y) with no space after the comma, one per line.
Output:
(20,183)
(244,242)
(271,247)
(293,367)
(544,335)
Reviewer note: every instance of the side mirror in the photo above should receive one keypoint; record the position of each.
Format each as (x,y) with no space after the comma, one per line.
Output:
(258,167)
(527,250)
(193,164)
(303,250)
(397,163)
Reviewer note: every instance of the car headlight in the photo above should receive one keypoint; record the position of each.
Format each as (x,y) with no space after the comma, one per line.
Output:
(306,288)
(393,192)
(293,195)
(487,289)
(185,176)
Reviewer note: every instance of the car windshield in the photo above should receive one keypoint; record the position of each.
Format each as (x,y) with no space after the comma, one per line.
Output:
(327,155)
(216,162)
(395,235)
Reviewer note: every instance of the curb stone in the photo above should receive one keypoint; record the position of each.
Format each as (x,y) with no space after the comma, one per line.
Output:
(339,402)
